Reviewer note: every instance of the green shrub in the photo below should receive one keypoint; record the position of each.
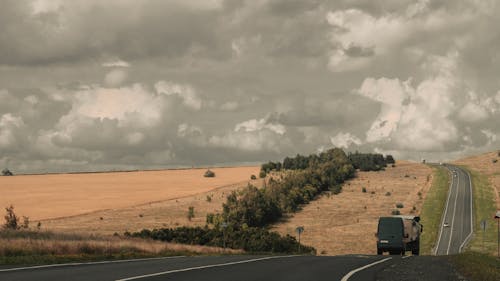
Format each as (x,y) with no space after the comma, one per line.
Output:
(262,174)
(6,172)
(363,189)
(190,214)
(395,212)
(387,193)
(399,205)
(253,177)
(209,174)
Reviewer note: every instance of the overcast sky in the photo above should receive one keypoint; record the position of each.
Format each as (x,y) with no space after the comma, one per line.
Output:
(138,84)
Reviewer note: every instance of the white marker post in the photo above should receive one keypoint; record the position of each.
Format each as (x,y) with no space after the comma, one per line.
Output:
(299,231)
(497,217)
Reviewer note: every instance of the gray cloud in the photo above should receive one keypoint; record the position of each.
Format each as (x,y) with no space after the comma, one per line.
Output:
(87,85)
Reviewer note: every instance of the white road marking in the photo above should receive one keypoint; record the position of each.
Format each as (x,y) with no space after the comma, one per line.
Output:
(453,217)
(471,225)
(202,267)
(348,275)
(443,218)
(84,263)
(405,257)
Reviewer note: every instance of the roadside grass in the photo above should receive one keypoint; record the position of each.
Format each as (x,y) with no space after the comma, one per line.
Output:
(484,209)
(31,247)
(433,208)
(477,266)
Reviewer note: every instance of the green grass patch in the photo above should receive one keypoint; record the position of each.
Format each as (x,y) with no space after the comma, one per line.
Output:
(477,266)
(432,209)
(484,209)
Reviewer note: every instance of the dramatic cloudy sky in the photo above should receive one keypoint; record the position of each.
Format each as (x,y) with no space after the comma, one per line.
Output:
(126,84)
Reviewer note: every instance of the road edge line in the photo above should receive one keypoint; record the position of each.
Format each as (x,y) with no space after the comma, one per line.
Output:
(84,263)
(202,267)
(471,213)
(352,272)
(454,212)
(445,211)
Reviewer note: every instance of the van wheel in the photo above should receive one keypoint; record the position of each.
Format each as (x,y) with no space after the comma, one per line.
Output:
(379,252)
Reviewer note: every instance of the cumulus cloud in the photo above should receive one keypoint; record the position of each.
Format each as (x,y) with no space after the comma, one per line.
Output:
(345,140)
(185,92)
(115,78)
(84,88)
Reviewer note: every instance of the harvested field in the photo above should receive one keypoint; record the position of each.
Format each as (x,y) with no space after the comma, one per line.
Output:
(50,196)
(486,165)
(168,213)
(346,223)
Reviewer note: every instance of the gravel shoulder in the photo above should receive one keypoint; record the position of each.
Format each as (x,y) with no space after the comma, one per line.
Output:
(416,268)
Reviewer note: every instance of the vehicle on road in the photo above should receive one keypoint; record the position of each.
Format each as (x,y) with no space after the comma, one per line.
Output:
(398,234)
(446,224)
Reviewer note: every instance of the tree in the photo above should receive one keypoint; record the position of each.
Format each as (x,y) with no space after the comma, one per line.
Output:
(11,219)
(209,174)
(389,159)
(6,172)
(190,213)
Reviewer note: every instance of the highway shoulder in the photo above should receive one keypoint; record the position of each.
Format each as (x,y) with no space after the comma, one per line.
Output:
(429,268)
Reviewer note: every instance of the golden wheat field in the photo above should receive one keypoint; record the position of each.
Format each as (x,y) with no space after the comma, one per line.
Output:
(42,197)
(486,164)
(346,223)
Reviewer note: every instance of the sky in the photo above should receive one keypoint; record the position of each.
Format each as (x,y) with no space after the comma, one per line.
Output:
(90,85)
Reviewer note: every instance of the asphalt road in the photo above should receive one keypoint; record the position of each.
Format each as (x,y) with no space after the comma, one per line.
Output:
(456,223)
(231,268)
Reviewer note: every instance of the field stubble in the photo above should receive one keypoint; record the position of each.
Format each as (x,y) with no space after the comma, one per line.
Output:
(346,223)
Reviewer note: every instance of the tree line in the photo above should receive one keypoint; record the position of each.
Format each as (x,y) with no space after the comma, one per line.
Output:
(248,213)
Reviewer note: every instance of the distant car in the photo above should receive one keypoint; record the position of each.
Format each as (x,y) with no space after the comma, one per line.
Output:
(446,224)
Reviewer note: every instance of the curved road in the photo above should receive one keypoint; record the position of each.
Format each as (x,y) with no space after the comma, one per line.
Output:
(452,238)
(456,223)
(233,268)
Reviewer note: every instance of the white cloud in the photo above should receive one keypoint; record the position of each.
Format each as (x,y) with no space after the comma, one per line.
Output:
(345,140)
(258,125)
(9,125)
(118,103)
(186,92)
(391,93)
(117,63)
(473,113)
(492,137)
(418,119)
(115,77)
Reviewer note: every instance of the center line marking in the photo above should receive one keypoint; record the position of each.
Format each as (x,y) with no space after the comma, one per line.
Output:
(202,267)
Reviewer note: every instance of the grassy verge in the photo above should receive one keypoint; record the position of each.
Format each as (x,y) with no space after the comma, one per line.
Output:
(484,209)
(32,247)
(477,266)
(432,209)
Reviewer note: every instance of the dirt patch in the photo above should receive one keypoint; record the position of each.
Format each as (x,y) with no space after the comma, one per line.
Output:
(486,164)
(346,223)
(62,195)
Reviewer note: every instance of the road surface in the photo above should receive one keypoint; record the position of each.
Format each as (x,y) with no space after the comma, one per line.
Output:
(231,268)
(456,223)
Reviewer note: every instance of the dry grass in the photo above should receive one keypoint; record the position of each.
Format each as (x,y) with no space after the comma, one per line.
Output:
(484,164)
(346,223)
(62,195)
(50,244)
(168,213)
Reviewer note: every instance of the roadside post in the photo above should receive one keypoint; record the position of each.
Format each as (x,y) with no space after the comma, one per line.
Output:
(224,226)
(299,231)
(497,217)
(483,227)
